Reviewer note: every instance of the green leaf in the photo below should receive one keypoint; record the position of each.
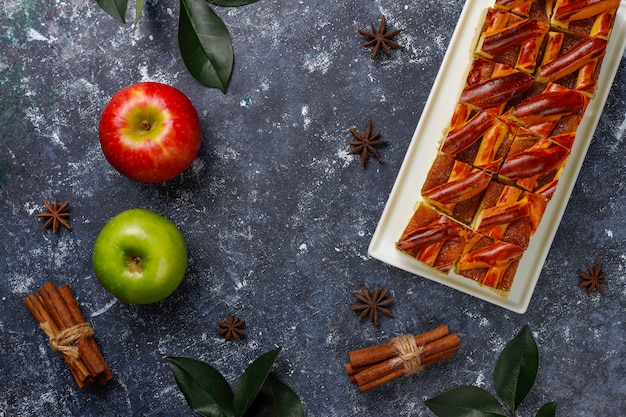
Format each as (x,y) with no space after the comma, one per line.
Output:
(465,401)
(516,369)
(252,381)
(138,9)
(207,392)
(286,401)
(232,3)
(547,410)
(276,399)
(205,44)
(116,8)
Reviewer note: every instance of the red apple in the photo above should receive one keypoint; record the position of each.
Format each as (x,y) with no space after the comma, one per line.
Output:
(150,132)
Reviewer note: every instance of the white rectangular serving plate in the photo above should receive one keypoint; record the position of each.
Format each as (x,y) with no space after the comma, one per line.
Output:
(424,146)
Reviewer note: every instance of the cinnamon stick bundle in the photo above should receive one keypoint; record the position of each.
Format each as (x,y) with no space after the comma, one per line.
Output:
(59,316)
(373,366)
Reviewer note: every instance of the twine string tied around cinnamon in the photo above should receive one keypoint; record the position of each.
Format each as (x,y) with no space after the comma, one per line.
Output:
(64,341)
(409,354)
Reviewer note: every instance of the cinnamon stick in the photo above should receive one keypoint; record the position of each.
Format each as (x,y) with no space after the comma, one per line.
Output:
(373,366)
(379,353)
(372,354)
(54,303)
(375,372)
(92,351)
(57,312)
(77,367)
(438,357)
(432,347)
(447,342)
(432,335)
(384,379)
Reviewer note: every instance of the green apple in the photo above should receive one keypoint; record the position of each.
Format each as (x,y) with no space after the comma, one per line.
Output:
(140,256)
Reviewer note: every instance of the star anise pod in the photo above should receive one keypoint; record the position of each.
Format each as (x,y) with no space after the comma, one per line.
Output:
(366,144)
(56,215)
(372,303)
(379,39)
(232,328)
(593,279)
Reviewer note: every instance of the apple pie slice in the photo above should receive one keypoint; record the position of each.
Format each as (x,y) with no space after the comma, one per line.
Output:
(512,40)
(554,112)
(571,62)
(585,18)
(455,188)
(510,214)
(540,10)
(491,86)
(490,262)
(478,138)
(433,238)
(534,163)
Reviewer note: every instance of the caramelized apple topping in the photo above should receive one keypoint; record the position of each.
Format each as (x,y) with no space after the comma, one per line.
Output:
(583,9)
(521,7)
(529,207)
(491,143)
(465,135)
(537,160)
(537,205)
(507,37)
(496,91)
(460,189)
(528,55)
(498,255)
(504,214)
(440,230)
(547,191)
(602,26)
(584,52)
(549,106)
(509,4)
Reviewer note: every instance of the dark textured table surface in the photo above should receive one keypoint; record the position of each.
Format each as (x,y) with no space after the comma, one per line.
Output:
(276,214)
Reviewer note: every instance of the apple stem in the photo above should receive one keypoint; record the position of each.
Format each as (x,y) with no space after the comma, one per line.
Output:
(134,265)
(146,125)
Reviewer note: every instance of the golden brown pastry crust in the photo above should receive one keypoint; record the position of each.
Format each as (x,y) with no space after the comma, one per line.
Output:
(534,163)
(571,62)
(455,188)
(540,10)
(478,138)
(492,86)
(512,40)
(433,238)
(552,111)
(510,214)
(585,18)
(490,262)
